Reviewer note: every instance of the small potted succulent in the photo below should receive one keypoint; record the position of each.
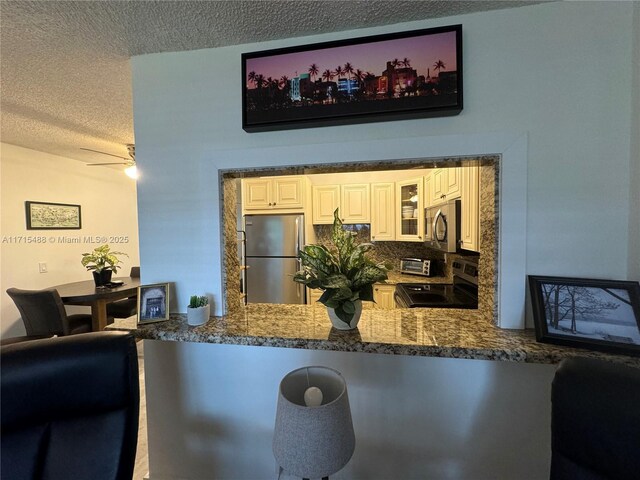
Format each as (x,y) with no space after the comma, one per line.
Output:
(344,273)
(103,262)
(198,310)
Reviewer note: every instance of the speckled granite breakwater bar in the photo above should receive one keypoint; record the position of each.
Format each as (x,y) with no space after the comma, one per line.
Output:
(430,332)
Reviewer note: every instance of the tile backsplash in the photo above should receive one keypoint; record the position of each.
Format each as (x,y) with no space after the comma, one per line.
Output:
(387,252)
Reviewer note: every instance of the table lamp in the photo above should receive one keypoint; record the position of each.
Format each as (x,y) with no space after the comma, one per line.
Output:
(313,435)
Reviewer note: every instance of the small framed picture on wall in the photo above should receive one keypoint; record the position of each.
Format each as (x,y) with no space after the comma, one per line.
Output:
(53,216)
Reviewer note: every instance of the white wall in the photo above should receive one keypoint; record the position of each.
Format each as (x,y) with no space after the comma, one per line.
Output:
(559,75)
(108,206)
(540,69)
(414,417)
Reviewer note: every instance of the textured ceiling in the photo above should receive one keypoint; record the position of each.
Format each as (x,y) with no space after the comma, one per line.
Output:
(64,66)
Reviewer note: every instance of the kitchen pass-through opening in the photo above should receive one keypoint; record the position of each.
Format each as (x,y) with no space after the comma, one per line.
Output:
(404,244)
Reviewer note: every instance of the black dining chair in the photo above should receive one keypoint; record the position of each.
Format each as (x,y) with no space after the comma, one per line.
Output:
(43,313)
(127,307)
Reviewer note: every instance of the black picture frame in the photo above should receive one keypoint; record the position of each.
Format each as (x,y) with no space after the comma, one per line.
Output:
(153,303)
(53,216)
(393,91)
(587,313)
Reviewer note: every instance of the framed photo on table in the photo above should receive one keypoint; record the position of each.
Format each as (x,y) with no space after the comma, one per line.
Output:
(153,303)
(594,314)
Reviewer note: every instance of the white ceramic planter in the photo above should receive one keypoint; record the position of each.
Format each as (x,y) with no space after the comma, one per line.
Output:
(339,324)
(197,316)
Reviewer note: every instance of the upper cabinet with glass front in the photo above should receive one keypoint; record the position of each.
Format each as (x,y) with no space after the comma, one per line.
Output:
(410,210)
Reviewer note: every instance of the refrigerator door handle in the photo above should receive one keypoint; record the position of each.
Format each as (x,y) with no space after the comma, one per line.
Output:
(243,264)
(299,234)
(299,286)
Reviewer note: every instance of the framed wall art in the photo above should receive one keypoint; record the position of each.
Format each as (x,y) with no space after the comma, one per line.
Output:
(384,77)
(153,303)
(595,314)
(53,216)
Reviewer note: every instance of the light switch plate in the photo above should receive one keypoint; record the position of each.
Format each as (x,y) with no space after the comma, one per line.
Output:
(42,267)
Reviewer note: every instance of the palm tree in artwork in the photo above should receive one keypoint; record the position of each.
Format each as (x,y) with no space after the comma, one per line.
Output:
(327,75)
(406,62)
(259,81)
(395,62)
(348,68)
(339,72)
(269,83)
(252,76)
(439,65)
(284,81)
(313,70)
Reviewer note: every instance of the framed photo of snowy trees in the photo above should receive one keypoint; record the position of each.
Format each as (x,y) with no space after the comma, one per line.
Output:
(595,314)
(394,76)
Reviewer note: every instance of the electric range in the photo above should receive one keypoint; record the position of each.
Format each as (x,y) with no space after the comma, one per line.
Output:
(462,293)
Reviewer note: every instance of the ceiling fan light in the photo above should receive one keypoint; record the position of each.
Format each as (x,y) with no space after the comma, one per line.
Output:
(131,171)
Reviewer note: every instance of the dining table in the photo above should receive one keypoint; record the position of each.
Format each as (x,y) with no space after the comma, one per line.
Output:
(86,293)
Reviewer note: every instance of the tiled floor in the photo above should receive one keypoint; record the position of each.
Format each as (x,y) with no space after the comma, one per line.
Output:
(141,468)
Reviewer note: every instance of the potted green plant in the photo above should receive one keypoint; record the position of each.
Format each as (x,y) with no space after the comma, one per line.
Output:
(103,262)
(198,310)
(343,272)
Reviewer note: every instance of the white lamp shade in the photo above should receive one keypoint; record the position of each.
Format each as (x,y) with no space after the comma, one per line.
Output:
(313,442)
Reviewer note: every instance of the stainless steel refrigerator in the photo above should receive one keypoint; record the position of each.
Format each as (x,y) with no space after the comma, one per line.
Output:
(271,258)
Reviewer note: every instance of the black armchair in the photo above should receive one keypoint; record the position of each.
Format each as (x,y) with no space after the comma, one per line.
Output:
(43,313)
(595,421)
(69,407)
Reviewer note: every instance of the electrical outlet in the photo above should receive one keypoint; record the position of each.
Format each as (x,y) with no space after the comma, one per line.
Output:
(42,267)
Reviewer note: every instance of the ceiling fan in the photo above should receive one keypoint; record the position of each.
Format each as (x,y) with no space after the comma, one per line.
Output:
(129,162)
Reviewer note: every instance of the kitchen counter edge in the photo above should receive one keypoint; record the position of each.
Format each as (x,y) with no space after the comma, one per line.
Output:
(309,329)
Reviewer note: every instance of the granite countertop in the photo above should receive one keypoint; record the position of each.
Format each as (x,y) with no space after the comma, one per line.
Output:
(433,332)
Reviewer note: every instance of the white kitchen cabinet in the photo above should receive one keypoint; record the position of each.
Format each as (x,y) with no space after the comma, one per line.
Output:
(383,209)
(274,193)
(351,199)
(445,184)
(470,208)
(427,190)
(454,182)
(288,192)
(255,194)
(313,295)
(384,296)
(325,199)
(355,206)
(410,210)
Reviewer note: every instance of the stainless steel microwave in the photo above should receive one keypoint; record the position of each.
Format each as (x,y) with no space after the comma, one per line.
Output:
(442,226)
